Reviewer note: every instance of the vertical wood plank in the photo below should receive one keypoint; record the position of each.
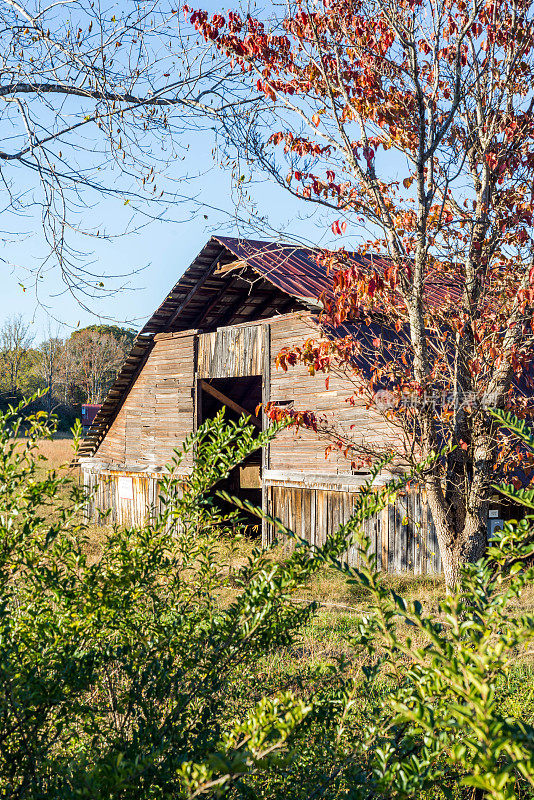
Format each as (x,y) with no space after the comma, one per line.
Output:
(379,542)
(265,396)
(418,544)
(385,538)
(391,538)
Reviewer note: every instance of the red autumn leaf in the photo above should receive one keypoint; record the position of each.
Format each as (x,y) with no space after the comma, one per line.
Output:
(339,227)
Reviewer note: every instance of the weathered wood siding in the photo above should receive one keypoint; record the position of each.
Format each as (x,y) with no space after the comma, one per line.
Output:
(403,535)
(158,413)
(231,352)
(311,494)
(304,450)
(107,502)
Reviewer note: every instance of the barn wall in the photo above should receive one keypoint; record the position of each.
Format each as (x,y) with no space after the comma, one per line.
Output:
(304,450)
(122,498)
(311,494)
(403,535)
(158,413)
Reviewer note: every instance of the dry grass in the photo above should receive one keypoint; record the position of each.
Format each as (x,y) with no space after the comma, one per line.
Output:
(341,604)
(57,451)
(331,590)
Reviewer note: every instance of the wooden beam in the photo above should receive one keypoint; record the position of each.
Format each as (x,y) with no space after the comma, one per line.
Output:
(194,289)
(175,335)
(287,304)
(269,301)
(227,401)
(215,301)
(240,264)
(232,310)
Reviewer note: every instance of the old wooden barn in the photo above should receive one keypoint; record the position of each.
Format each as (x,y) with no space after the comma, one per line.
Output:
(212,342)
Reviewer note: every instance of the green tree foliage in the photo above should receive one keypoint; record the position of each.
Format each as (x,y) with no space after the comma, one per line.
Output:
(121,677)
(126,335)
(74,370)
(95,355)
(15,354)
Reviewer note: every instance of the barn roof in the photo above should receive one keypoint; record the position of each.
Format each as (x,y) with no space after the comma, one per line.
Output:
(207,295)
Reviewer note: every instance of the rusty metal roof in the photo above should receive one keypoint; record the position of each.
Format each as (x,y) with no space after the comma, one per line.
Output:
(295,271)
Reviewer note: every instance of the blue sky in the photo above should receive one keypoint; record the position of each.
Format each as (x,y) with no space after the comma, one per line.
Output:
(157,255)
(159,252)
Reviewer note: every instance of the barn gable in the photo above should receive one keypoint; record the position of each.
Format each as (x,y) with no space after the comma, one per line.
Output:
(218,289)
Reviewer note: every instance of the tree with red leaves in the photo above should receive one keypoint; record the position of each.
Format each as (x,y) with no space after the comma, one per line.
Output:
(411,122)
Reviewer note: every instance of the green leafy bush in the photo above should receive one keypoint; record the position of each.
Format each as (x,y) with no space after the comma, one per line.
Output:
(428,701)
(126,677)
(114,673)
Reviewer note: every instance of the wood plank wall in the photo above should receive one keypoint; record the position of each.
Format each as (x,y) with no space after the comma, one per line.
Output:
(403,535)
(304,450)
(107,503)
(231,352)
(158,413)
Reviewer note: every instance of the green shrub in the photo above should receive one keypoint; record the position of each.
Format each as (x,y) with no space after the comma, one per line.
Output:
(130,677)
(426,715)
(114,673)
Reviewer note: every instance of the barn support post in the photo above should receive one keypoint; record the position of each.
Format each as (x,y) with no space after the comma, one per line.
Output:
(196,393)
(266,533)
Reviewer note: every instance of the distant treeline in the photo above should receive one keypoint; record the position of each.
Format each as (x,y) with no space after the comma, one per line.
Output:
(77,369)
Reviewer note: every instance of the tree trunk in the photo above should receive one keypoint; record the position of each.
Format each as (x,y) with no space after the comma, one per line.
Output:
(465,546)
(451,567)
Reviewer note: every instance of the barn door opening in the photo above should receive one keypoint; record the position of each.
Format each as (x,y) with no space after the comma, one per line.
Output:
(238,396)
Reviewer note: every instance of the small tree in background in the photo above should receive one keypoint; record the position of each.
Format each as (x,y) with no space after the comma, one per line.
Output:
(410,124)
(15,345)
(73,370)
(49,356)
(95,358)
